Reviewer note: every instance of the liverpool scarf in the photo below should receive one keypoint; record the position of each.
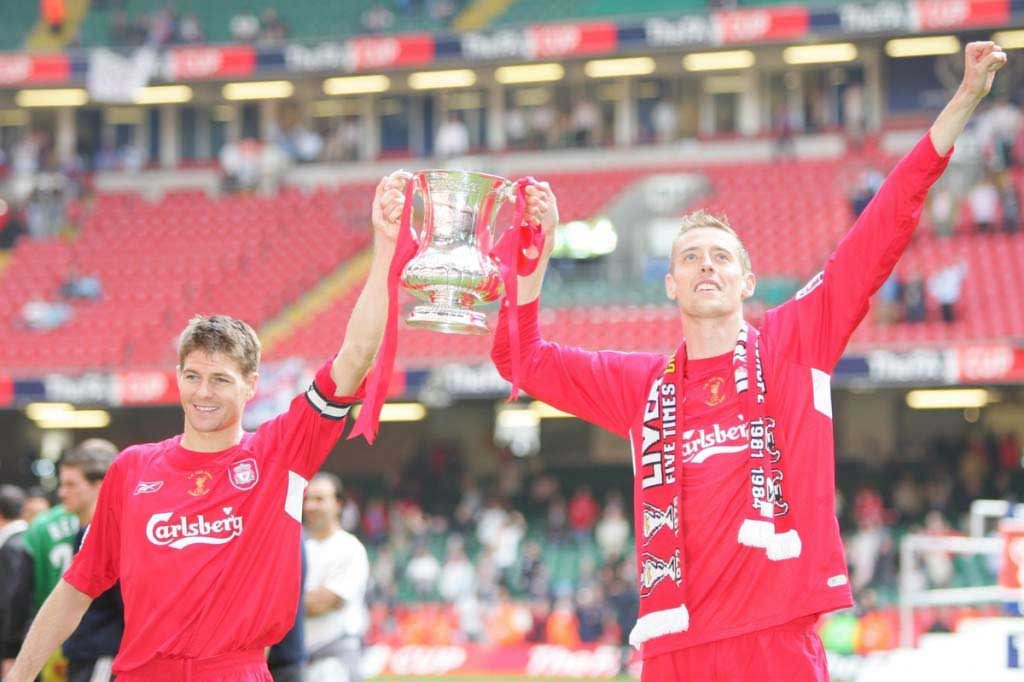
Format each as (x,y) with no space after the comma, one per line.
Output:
(661,559)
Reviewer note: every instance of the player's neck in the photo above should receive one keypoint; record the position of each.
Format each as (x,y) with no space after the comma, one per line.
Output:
(213,441)
(708,337)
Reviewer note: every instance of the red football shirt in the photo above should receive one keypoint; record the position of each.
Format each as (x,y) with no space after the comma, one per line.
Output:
(732,589)
(207,545)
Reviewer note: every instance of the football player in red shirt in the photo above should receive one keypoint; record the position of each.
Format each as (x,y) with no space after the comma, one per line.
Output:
(738,547)
(203,529)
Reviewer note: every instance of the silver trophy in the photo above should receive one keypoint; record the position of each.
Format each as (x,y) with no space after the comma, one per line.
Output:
(453,269)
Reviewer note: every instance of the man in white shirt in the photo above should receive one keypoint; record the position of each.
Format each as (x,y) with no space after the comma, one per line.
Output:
(335,590)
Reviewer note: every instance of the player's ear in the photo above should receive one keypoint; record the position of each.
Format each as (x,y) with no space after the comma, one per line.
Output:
(749,285)
(253,381)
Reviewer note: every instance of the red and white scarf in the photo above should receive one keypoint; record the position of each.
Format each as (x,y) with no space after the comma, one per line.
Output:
(661,559)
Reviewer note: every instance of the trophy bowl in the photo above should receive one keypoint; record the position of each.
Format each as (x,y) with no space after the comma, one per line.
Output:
(453,270)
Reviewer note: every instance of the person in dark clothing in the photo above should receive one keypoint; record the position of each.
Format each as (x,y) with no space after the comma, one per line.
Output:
(91,648)
(16,576)
(287,659)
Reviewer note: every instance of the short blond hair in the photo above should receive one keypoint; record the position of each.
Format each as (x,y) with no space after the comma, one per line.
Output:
(221,334)
(702,218)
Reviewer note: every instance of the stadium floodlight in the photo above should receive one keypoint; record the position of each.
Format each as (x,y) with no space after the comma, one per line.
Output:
(57,97)
(399,412)
(1009,40)
(437,80)
(76,419)
(529,73)
(619,68)
(719,61)
(950,398)
(37,411)
(163,94)
(922,47)
(356,85)
(247,90)
(820,54)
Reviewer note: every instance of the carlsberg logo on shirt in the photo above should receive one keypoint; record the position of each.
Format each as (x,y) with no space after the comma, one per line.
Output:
(182,532)
(705,443)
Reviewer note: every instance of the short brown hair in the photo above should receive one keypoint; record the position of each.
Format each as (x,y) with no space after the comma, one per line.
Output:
(93,457)
(221,334)
(702,218)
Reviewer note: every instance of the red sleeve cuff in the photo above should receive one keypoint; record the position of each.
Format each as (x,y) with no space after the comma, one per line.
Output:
(82,583)
(926,147)
(326,387)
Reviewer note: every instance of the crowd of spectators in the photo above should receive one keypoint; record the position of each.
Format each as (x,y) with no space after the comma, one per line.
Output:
(525,557)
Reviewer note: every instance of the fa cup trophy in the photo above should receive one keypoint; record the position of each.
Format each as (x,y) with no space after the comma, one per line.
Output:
(454,268)
(454,261)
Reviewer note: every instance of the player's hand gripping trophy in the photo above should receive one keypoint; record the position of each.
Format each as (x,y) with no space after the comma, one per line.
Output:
(451,252)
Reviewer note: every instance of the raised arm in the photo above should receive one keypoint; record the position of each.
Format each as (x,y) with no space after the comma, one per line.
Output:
(57,619)
(366,324)
(816,325)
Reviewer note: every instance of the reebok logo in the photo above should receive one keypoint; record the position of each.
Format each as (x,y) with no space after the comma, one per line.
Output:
(700,445)
(182,532)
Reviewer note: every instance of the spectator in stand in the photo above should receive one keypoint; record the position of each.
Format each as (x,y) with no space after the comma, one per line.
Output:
(42,315)
(423,572)
(583,511)
(998,130)
(983,200)
(77,285)
(938,566)
(517,128)
(378,19)
(190,31)
(946,287)
(506,543)
(375,522)
(785,132)
(1009,202)
(590,614)
(613,530)
(585,124)
(508,622)
(563,628)
(163,27)
(452,138)
(665,121)
(871,540)
(244,27)
(914,309)
(942,209)
(890,303)
(54,13)
(458,579)
(532,577)
(273,30)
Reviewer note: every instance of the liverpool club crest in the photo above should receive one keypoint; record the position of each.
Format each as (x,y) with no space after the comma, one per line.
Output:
(244,474)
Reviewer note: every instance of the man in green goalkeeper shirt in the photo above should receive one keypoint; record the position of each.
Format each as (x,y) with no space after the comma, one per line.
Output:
(50,541)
